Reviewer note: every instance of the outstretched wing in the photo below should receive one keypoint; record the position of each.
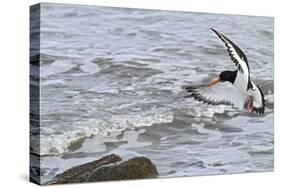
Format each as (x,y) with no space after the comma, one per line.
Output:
(223,93)
(240,61)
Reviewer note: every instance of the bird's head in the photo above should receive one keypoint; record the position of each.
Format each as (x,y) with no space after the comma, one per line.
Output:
(225,76)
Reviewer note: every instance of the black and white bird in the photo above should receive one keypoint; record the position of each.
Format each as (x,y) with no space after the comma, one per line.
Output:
(232,88)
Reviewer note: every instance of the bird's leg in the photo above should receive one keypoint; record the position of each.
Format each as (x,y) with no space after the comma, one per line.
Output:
(250,106)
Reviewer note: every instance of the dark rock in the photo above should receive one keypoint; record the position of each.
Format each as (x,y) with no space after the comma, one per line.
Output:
(108,168)
(80,173)
(136,168)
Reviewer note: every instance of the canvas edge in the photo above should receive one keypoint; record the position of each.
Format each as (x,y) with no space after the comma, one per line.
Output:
(34,93)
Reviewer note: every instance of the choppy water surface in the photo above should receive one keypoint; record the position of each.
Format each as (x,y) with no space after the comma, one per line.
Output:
(112,82)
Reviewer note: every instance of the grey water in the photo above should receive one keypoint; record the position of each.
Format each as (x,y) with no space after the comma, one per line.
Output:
(112,81)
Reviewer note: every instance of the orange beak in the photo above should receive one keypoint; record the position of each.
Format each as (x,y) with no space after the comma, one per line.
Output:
(215,82)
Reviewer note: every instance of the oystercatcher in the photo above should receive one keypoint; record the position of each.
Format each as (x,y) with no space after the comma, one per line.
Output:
(233,88)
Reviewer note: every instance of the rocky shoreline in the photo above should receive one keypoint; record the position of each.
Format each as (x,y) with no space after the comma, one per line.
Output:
(110,167)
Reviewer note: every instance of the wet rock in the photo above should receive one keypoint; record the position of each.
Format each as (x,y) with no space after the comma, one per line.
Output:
(108,168)
(80,173)
(136,168)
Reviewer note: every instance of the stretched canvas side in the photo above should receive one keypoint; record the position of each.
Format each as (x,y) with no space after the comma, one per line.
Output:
(34,64)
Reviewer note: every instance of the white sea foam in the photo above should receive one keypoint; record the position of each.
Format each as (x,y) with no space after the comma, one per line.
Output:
(205,110)
(56,68)
(52,143)
(213,134)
